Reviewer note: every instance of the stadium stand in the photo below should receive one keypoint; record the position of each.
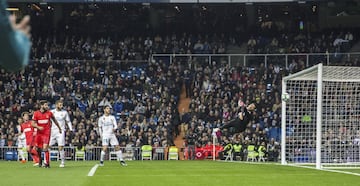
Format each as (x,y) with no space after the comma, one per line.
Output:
(90,67)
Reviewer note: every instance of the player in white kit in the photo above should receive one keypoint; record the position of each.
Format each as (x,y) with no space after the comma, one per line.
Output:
(107,127)
(62,116)
(21,141)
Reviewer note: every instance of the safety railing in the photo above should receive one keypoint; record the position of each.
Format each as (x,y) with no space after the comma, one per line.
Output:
(129,153)
(132,153)
(255,60)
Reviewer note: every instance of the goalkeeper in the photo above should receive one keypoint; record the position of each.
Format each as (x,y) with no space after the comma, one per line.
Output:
(240,123)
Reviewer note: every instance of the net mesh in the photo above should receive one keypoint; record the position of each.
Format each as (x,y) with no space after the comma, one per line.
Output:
(340,117)
(340,126)
(301,121)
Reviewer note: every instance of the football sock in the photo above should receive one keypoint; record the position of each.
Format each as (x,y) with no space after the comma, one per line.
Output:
(47,157)
(102,155)
(40,157)
(119,155)
(62,155)
(21,153)
(34,155)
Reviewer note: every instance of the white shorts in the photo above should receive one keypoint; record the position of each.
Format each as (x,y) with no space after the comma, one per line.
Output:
(110,139)
(21,143)
(58,138)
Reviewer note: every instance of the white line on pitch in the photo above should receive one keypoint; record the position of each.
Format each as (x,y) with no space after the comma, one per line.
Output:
(93,170)
(327,170)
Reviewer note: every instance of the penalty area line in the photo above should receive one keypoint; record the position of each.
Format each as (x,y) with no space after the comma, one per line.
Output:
(93,170)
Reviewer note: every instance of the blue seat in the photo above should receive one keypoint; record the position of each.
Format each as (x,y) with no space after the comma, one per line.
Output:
(274,132)
(11,156)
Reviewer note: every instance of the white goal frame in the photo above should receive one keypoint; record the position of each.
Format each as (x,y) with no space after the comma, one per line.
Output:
(318,74)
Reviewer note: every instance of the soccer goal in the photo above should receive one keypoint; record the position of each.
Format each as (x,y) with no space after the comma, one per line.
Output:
(321,117)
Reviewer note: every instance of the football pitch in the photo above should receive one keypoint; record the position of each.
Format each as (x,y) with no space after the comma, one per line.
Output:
(170,173)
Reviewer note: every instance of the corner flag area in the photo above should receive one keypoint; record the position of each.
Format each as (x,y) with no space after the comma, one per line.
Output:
(165,173)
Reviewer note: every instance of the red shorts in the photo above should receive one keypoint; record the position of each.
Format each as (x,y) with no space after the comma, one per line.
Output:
(30,141)
(41,139)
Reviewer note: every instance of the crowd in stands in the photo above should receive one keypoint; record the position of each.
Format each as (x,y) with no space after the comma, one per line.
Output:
(90,72)
(144,98)
(144,101)
(216,90)
(127,48)
(324,42)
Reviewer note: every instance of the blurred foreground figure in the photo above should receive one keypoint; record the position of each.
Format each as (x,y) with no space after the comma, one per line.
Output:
(14,40)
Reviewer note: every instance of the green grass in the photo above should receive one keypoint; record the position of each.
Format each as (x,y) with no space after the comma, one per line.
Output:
(170,173)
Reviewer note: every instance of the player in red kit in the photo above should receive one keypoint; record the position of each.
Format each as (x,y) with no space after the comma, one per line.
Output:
(27,129)
(42,122)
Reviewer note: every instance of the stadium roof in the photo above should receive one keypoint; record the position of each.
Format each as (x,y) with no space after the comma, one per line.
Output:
(160,1)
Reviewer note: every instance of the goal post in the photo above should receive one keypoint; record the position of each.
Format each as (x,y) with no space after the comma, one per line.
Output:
(321,117)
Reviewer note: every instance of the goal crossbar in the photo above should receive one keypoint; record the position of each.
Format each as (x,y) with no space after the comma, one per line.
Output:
(330,73)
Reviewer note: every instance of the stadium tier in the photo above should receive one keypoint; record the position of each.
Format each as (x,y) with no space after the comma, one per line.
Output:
(173,73)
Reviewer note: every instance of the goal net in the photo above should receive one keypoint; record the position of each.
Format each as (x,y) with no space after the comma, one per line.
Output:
(321,117)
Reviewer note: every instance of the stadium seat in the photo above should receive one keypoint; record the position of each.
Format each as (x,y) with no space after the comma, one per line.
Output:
(251,153)
(261,157)
(173,153)
(229,151)
(54,155)
(128,153)
(146,152)
(112,155)
(11,156)
(261,150)
(79,154)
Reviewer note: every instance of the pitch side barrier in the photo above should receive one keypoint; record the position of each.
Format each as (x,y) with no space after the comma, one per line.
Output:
(129,153)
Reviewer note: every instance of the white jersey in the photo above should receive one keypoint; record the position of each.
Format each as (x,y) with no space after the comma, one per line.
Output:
(63,118)
(22,134)
(21,141)
(107,124)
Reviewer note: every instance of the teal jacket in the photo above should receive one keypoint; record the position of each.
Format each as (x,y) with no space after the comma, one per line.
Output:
(14,45)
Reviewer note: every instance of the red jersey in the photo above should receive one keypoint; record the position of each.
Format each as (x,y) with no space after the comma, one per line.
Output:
(28,130)
(43,119)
